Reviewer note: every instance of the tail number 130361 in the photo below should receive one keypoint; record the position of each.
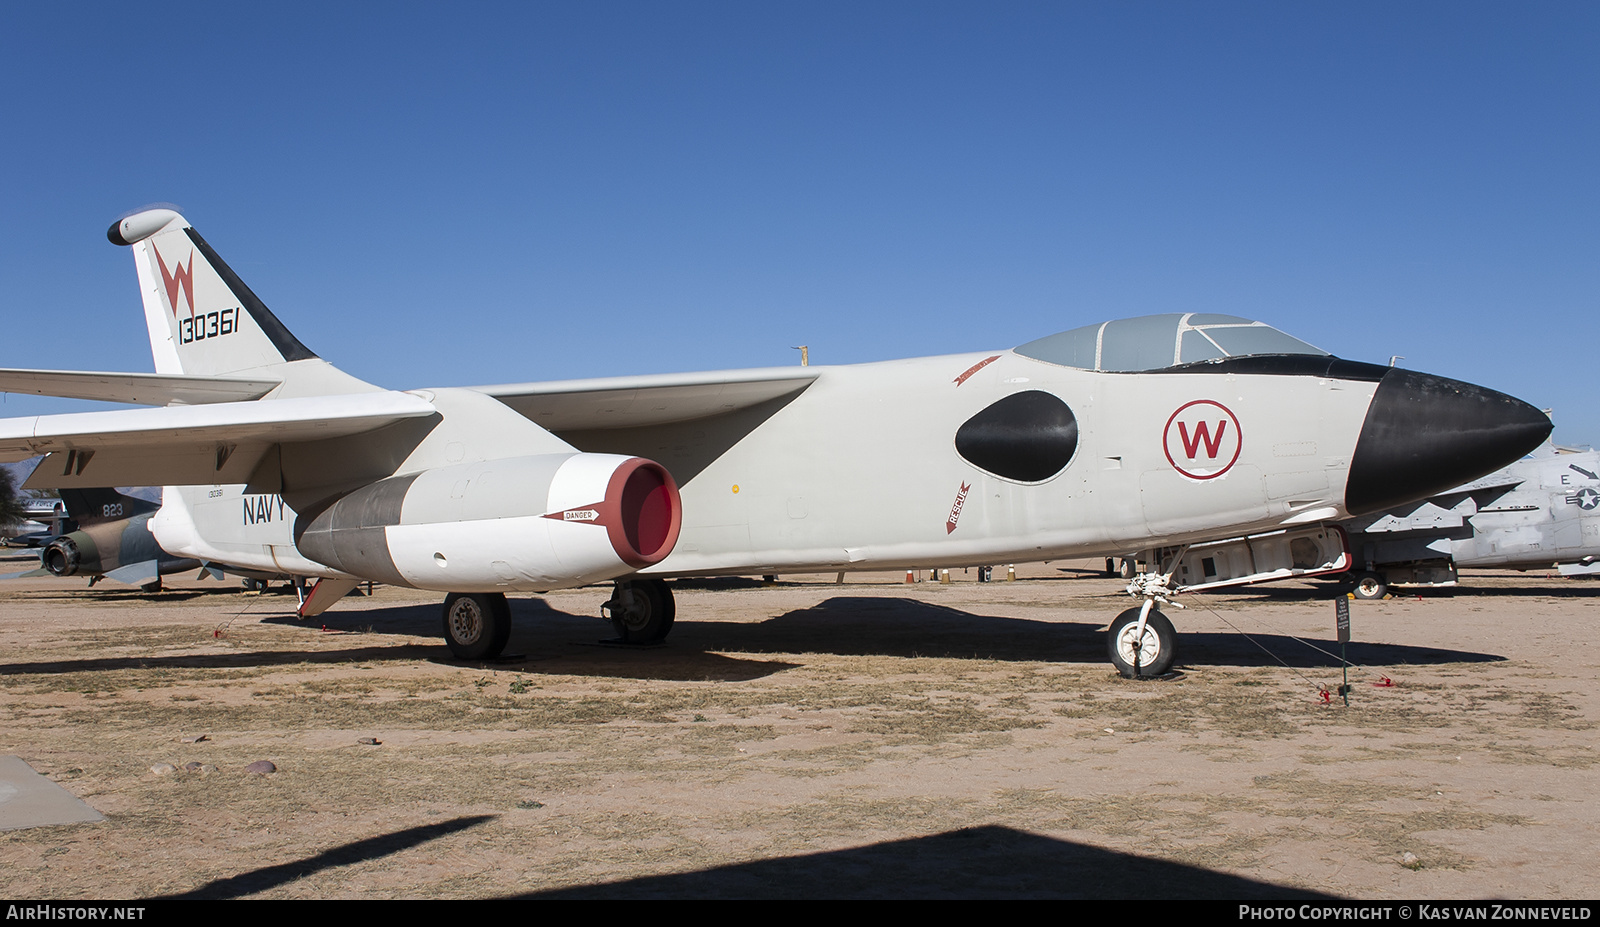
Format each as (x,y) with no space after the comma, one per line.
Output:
(210,325)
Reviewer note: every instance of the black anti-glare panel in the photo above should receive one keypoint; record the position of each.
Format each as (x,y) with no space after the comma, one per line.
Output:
(1028,437)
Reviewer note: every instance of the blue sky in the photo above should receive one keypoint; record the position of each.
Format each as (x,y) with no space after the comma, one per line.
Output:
(433,195)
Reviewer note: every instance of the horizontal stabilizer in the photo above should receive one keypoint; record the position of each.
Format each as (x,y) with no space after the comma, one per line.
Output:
(27,574)
(146,389)
(137,574)
(632,402)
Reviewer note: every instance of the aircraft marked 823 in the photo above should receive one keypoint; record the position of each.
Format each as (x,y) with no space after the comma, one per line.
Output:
(1059,443)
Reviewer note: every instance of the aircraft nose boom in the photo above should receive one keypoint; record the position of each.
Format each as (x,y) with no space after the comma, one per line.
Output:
(1425,434)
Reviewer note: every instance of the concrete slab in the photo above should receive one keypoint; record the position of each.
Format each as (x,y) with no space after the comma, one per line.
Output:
(28,799)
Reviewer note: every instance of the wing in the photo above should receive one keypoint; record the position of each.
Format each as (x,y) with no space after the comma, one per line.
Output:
(148,389)
(635,402)
(683,421)
(219,443)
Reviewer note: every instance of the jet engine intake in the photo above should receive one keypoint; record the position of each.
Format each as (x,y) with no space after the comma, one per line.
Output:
(528,524)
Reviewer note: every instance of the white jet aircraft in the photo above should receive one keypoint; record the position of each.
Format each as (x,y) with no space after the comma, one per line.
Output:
(1162,434)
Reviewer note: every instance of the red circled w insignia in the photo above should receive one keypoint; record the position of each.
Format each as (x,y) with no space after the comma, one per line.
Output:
(1202,439)
(975,368)
(180,280)
(955,510)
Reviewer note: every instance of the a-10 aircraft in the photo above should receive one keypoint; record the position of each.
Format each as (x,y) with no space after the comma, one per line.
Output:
(109,537)
(105,534)
(1539,513)
(1153,433)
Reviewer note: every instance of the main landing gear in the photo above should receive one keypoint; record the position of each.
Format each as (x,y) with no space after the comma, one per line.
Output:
(641,610)
(1365,584)
(477,625)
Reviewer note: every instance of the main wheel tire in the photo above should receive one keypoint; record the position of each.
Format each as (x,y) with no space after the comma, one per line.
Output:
(652,614)
(1155,652)
(670,607)
(477,625)
(1369,585)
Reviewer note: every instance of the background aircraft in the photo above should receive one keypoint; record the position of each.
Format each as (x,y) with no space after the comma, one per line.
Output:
(108,536)
(45,517)
(1541,513)
(1151,433)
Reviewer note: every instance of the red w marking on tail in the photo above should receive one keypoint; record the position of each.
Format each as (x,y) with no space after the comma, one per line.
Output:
(180,280)
(1201,433)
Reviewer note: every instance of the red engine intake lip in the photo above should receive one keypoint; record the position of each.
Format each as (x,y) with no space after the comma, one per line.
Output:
(647,509)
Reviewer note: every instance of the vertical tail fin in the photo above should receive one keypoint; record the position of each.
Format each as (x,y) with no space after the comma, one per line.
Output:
(202,318)
(87,506)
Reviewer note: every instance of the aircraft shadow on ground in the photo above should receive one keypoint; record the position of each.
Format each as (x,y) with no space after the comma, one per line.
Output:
(1530,587)
(543,640)
(978,862)
(109,594)
(219,660)
(260,880)
(547,640)
(909,628)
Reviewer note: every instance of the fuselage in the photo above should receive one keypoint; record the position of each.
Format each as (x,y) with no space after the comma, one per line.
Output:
(862,470)
(1552,517)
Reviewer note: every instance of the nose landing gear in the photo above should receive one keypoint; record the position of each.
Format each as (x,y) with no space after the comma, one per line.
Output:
(1142,643)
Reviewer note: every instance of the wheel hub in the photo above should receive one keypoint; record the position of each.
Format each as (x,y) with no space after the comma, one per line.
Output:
(637,616)
(466,624)
(1148,649)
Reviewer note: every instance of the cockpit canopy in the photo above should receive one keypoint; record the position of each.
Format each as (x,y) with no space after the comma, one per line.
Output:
(1153,342)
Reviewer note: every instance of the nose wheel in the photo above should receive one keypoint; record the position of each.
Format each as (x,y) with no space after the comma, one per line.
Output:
(1142,650)
(1142,642)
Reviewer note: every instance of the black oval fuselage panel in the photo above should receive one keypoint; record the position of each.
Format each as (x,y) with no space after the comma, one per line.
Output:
(1028,437)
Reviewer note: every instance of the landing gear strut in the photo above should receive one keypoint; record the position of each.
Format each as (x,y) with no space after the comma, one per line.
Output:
(1142,642)
(641,610)
(477,625)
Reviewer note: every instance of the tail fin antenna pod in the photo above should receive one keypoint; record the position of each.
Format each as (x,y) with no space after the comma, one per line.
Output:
(201,317)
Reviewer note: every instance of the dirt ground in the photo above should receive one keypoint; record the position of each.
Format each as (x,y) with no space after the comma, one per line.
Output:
(807,739)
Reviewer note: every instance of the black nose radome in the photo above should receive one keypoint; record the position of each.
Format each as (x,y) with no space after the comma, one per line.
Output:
(1426,434)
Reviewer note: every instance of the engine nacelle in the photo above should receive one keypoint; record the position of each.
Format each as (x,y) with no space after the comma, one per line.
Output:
(527,523)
